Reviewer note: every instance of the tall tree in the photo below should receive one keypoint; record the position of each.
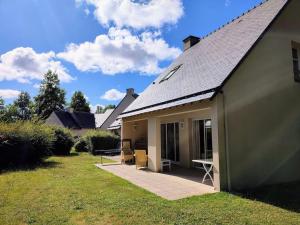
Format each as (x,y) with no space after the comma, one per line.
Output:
(79,103)
(23,105)
(1,103)
(109,107)
(51,97)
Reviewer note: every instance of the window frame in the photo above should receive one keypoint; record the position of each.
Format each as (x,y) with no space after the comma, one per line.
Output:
(170,74)
(296,60)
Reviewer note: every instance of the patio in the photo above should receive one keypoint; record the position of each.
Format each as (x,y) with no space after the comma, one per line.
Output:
(176,184)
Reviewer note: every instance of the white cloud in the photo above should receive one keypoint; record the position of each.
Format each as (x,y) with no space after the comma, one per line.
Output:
(113,95)
(136,14)
(87,11)
(120,51)
(37,86)
(9,93)
(227,3)
(24,64)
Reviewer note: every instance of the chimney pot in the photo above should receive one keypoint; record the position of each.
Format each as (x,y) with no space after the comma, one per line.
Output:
(189,42)
(130,91)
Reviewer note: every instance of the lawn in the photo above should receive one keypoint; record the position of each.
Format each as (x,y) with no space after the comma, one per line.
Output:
(71,190)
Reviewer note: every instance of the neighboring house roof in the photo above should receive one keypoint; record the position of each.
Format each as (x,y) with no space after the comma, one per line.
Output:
(101,117)
(207,65)
(125,102)
(115,125)
(75,120)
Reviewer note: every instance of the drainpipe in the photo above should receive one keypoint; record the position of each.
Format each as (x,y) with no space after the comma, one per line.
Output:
(226,142)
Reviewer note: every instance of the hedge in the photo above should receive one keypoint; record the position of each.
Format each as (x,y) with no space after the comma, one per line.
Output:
(99,140)
(63,141)
(24,143)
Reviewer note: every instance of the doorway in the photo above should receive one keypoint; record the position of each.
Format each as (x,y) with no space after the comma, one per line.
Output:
(170,142)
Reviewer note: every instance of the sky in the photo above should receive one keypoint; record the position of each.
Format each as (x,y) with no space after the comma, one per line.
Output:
(100,47)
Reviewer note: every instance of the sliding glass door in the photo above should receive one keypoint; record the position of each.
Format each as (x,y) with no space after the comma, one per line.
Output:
(202,139)
(170,141)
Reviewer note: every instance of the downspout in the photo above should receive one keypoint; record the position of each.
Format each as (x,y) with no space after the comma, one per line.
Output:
(226,142)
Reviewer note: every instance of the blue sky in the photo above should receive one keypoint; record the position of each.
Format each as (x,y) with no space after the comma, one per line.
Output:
(111,49)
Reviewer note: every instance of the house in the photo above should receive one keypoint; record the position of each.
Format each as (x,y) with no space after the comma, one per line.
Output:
(109,120)
(231,97)
(101,117)
(78,122)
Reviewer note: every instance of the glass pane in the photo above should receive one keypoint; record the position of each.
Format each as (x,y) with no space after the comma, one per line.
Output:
(202,141)
(295,53)
(170,141)
(177,141)
(163,141)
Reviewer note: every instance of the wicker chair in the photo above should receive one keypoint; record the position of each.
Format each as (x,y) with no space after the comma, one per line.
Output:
(126,152)
(141,158)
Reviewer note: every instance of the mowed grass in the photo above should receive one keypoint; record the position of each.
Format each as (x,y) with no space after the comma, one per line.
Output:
(71,190)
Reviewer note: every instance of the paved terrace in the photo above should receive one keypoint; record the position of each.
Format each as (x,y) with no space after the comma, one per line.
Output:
(177,184)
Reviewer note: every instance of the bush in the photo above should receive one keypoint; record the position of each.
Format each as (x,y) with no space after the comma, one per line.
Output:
(63,142)
(81,145)
(24,143)
(101,140)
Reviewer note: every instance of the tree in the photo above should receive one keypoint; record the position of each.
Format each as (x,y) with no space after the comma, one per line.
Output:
(100,109)
(109,107)
(9,113)
(51,97)
(23,105)
(1,103)
(79,103)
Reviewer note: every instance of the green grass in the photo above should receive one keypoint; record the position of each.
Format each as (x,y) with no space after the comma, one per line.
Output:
(71,190)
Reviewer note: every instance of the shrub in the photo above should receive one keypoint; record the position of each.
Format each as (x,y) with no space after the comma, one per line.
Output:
(101,140)
(63,142)
(81,145)
(24,143)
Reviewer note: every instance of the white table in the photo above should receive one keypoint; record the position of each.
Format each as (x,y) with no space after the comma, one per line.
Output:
(207,166)
(165,162)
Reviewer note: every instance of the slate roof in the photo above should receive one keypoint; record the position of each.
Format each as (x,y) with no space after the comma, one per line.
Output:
(101,117)
(76,120)
(115,125)
(207,65)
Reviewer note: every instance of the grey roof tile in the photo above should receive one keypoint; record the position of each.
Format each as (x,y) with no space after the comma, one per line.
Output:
(206,65)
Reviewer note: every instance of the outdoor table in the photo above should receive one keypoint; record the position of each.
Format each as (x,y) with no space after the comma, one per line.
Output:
(207,166)
(109,151)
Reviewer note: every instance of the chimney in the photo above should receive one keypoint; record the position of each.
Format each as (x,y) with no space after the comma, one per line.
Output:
(189,42)
(130,91)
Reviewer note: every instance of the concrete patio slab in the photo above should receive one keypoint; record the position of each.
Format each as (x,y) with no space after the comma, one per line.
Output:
(171,186)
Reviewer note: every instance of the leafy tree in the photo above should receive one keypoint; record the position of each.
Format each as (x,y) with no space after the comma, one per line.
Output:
(100,109)
(1,102)
(109,107)
(23,105)
(79,103)
(51,97)
(9,114)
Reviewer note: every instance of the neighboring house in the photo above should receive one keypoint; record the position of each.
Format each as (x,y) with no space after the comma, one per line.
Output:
(110,121)
(101,117)
(78,122)
(231,97)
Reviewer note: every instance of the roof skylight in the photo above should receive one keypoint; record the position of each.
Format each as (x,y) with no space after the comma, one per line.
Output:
(170,74)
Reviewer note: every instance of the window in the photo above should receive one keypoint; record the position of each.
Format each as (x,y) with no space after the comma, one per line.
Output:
(170,141)
(202,139)
(296,62)
(170,74)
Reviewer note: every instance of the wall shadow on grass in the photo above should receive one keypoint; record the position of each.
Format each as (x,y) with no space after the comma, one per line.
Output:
(286,196)
(27,167)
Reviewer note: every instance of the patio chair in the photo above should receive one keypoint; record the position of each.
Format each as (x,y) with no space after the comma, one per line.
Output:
(126,152)
(141,158)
